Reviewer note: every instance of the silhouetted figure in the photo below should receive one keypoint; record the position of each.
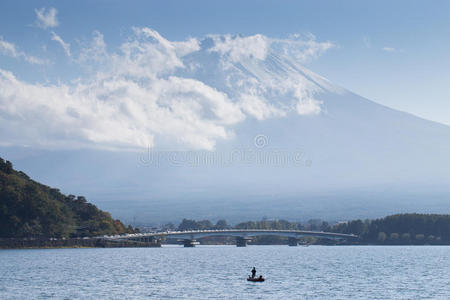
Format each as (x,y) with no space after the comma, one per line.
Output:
(253,272)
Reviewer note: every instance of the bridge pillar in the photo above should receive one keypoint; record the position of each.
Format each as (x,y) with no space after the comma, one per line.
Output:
(190,243)
(242,241)
(292,241)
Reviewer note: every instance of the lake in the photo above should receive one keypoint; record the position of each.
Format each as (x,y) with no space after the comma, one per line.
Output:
(219,272)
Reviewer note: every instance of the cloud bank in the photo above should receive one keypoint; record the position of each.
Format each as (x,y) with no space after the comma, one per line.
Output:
(153,92)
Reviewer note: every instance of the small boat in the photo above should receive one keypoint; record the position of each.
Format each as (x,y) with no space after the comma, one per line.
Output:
(256,279)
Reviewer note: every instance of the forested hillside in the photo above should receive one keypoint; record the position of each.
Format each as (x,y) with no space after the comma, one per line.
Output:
(31,209)
(401,229)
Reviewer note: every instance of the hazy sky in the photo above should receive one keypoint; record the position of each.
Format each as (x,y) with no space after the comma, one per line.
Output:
(393,52)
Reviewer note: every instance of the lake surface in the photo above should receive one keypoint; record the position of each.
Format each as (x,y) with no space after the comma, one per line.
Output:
(219,272)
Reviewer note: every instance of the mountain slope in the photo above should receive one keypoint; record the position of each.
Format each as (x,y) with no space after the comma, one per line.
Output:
(30,209)
(279,140)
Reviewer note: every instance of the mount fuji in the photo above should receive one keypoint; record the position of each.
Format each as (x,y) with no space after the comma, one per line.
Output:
(223,127)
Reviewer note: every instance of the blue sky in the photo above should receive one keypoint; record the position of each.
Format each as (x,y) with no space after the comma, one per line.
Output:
(396,53)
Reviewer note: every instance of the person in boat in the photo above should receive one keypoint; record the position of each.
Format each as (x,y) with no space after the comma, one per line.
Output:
(260,277)
(253,272)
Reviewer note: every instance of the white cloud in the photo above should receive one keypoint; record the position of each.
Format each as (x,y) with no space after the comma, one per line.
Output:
(259,108)
(237,48)
(160,93)
(388,49)
(149,55)
(96,51)
(46,18)
(302,48)
(64,45)
(115,113)
(180,48)
(308,106)
(10,49)
(34,60)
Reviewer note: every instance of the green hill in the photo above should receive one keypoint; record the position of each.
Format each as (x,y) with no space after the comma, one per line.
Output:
(31,209)
(401,229)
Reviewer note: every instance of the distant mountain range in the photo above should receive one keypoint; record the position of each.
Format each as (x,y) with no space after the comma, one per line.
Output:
(306,148)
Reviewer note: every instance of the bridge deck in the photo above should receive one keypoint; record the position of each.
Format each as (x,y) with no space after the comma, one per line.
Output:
(195,234)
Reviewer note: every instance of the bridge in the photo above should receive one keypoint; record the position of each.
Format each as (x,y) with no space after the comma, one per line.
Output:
(189,238)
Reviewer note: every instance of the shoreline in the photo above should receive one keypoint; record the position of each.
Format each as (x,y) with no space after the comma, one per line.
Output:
(14,243)
(180,246)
